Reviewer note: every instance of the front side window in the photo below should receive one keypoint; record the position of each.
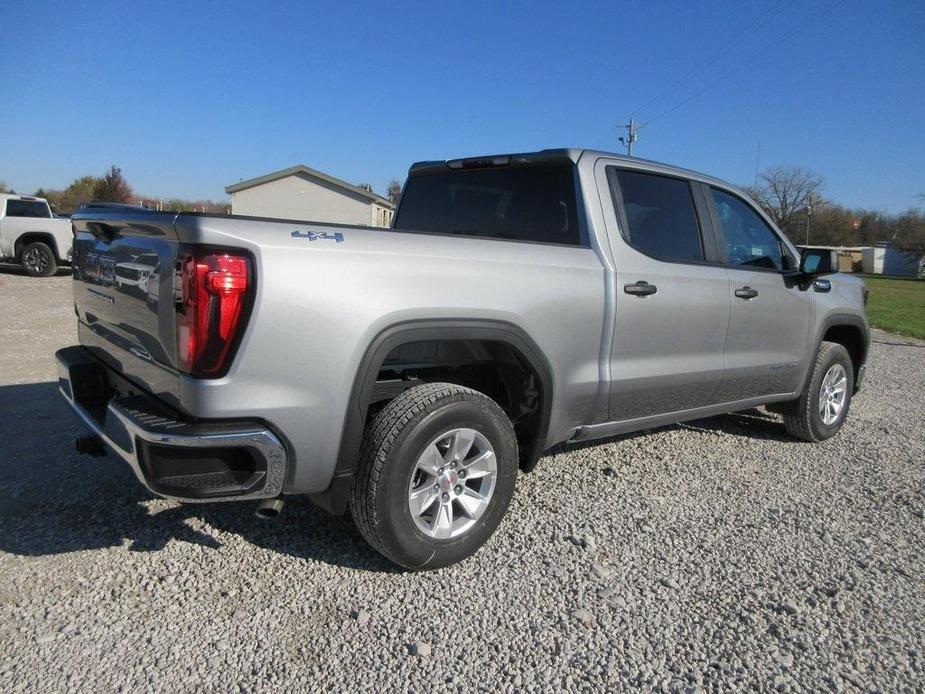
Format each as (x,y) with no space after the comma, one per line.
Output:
(660,215)
(523,203)
(26,208)
(750,242)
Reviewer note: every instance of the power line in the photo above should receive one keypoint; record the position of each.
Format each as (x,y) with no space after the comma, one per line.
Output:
(746,31)
(746,62)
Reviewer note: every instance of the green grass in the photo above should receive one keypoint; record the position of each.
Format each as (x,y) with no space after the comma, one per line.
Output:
(897,305)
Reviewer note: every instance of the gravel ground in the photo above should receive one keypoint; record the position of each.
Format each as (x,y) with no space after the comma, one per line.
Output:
(715,555)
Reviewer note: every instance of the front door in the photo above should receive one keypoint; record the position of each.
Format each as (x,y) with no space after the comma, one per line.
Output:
(771,315)
(672,300)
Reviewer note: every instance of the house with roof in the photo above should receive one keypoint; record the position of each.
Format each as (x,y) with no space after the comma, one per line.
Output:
(303,193)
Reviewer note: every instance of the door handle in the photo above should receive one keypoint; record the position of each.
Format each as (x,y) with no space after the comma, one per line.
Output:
(746,293)
(640,288)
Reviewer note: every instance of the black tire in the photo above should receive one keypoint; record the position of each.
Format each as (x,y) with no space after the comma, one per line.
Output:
(392,445)
(38,259)
(802,417)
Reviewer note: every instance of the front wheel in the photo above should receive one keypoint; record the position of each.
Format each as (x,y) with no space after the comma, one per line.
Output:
(823,405)
(435,477)
(38,259)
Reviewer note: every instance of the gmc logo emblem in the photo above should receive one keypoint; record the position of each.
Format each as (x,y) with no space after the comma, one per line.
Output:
(100,268)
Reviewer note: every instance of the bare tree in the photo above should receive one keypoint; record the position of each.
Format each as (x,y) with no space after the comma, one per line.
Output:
(786,194)
(113,187)
(908,231)
(3,188)
(393,191)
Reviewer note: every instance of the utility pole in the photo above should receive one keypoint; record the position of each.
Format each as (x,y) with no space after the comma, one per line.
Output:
(809,215)
(631,129)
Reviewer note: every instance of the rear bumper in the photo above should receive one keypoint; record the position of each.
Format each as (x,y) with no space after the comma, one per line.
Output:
(202,461)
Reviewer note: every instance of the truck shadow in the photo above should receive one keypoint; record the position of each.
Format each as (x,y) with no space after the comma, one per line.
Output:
(54,501)
(753,423)
(11,269)
(893,343)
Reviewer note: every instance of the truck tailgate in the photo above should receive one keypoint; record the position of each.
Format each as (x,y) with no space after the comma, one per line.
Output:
(123,269)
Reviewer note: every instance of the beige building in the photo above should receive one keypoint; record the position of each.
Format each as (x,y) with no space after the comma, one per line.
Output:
(300,192)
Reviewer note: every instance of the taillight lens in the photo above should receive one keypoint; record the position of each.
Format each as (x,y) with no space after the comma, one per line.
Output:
(214,288)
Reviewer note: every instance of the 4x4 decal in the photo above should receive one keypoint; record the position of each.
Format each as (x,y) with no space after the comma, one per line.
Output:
(315,235)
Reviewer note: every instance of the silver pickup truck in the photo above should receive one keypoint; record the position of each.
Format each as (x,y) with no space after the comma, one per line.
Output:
(408,374)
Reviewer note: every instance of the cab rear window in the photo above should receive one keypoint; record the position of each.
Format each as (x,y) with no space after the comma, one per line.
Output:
(522,203)
(26,208)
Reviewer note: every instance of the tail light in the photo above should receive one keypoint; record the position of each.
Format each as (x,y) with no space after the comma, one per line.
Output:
(213,299)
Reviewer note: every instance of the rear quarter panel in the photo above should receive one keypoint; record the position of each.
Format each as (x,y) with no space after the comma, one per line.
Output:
(320,303)
(12,228)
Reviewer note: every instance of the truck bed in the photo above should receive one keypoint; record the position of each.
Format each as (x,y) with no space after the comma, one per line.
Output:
(321,295)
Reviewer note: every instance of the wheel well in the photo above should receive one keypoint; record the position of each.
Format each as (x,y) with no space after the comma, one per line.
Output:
(493,357)
(852,339)
(494,368)
(32,237)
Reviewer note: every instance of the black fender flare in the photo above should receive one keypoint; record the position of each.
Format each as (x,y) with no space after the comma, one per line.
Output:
(841,319)
(335,498)
(27,237)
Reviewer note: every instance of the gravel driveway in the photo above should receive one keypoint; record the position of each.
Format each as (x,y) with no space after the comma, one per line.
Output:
(717,554)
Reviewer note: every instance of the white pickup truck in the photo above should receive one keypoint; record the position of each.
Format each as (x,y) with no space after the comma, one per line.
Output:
(32,236)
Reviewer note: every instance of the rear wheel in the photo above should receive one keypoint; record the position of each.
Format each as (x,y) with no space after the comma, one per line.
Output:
(821,410)
(435,476)
(38,259)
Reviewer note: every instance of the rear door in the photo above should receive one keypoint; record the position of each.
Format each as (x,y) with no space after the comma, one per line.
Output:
(771,315)
(672,300)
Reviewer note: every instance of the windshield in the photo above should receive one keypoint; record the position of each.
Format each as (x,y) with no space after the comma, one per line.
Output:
(147,259)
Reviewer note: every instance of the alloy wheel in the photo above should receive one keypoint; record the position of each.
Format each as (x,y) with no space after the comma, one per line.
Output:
(35,261)
(452,484)
(832,394)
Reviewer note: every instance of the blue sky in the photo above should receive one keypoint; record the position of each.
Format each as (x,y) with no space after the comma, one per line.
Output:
(188,97)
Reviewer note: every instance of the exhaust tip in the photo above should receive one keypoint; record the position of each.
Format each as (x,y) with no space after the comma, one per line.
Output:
(269,508)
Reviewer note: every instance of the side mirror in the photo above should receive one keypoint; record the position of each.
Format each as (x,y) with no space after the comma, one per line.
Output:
(818,261)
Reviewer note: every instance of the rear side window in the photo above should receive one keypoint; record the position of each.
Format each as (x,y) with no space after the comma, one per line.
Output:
(749,241)
(522,203)
(26,208)
(661,220)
